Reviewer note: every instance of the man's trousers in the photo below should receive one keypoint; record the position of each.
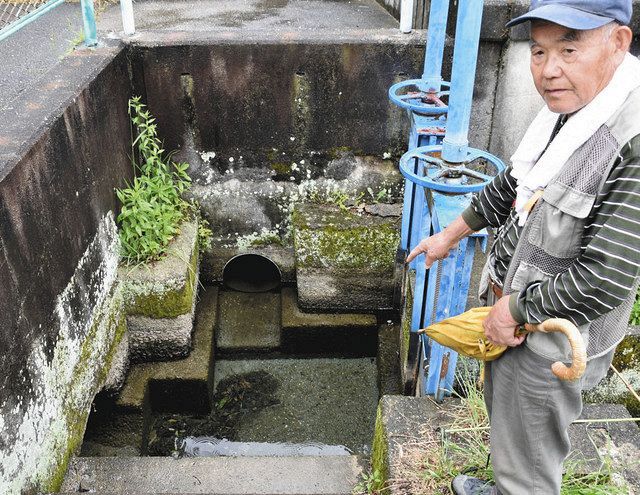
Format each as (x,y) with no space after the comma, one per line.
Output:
(530,411)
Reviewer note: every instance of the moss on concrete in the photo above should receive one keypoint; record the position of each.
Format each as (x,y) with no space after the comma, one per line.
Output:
(612,389)
(281,168)
(338,151)
(165,288)
(96,354)
(628,352)
(343,240)
(380,449)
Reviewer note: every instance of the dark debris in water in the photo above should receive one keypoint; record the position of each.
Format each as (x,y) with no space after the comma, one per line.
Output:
(235,396)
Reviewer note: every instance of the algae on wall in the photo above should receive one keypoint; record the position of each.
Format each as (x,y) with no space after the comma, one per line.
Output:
(41,431)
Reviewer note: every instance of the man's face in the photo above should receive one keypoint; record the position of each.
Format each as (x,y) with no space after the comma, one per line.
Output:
(571,67)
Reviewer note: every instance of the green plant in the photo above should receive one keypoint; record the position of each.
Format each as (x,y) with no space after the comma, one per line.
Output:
(635,312)
(576,482)
(204,233)
(370,483)
(339,198)
(382,196)
(152,205)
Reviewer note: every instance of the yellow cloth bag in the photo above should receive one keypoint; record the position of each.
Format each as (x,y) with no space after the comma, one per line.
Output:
(465,335)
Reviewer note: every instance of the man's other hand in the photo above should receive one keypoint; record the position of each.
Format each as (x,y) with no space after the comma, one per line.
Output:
(500,327)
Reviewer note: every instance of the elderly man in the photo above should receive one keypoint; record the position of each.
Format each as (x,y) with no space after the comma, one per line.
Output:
(567,214)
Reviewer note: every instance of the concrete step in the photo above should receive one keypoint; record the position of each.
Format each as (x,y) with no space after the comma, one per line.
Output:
(326,475)
(350,334)
(248,321)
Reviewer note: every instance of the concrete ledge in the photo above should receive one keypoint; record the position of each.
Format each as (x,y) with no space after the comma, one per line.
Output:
(155,38)
(195,368)
(348,334)
(344,261)
(160,339)
(294,319)
(330,475)
(248,321)
(24,121)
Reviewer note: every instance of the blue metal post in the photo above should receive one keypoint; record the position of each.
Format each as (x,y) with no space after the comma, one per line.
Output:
(462,79)
(439,184)
(432,81)
(436,37)
(89,23)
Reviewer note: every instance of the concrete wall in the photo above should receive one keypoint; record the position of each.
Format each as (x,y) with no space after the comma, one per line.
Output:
(63,149)
(217,93)
(495,16)
(222,94)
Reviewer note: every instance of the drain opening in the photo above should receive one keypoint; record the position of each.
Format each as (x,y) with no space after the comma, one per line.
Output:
(251,273)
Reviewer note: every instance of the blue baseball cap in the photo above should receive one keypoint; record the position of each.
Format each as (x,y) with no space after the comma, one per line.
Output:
(577,14)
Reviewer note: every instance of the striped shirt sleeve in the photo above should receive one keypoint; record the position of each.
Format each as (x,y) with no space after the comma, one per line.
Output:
(492,205)
(603,275)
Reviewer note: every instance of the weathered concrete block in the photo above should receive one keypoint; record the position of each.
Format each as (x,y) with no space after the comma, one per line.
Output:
(165,288)
(159,339)
(344,260)
(400,419)
(389,371)
(320,475)
(160,300)
(119,364)
(117,427)
(627,360)
(348,333)
(248,321)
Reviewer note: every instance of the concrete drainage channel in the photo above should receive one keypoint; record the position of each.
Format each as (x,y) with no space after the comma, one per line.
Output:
(251,387)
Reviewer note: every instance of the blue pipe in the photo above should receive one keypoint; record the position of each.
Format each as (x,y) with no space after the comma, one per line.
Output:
(30,17)
(89,23)
(465,58)
(436,36)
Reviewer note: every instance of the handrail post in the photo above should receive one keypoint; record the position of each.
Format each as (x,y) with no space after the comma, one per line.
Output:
(465,58)
(128,21)
(89,23)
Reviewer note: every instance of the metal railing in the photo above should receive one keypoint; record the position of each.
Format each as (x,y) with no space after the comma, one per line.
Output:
(18,13)
(15,14)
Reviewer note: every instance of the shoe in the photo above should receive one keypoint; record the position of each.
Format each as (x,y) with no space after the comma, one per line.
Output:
(466,485)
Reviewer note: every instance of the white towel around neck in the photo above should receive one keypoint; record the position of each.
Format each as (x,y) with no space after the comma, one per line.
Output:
(532,171)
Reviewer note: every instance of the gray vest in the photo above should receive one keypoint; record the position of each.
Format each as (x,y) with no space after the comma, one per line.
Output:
(551,239)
